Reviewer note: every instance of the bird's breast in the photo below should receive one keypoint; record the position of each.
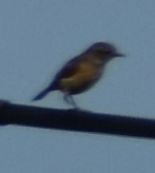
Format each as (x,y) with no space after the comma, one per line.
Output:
(86,75)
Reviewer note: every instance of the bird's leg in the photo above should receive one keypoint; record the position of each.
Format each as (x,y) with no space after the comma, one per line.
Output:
(72,101)
(69,99)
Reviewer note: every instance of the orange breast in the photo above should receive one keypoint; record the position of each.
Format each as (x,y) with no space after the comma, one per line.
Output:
(85,76)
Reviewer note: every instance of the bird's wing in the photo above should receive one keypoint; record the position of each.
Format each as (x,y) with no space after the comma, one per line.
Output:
(69,69)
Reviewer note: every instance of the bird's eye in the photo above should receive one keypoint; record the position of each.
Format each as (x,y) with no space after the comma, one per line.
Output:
(100,51)
(107,51)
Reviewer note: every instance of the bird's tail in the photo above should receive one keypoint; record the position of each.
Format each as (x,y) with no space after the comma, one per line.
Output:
(43,93)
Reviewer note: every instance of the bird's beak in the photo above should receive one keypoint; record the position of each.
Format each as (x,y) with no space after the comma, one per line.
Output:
(119,55)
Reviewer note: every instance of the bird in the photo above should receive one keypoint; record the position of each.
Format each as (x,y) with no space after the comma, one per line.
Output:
(81,72)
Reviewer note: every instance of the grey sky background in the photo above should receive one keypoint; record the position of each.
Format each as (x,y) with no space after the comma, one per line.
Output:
(36,38)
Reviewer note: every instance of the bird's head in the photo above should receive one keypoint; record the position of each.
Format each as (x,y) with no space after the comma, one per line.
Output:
(104,50)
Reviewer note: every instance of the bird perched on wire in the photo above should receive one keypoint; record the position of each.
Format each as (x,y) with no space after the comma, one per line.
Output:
(81,72)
